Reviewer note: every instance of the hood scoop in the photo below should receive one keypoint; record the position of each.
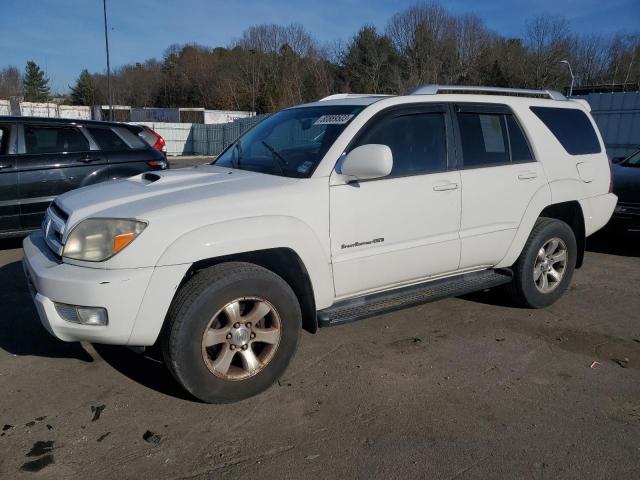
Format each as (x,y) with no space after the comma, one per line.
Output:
(150,177)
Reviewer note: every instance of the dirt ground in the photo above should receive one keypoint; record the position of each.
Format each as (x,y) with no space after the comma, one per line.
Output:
(458,389)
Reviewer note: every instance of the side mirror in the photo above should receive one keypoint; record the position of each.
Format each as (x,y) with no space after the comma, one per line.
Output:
(617,159)
(367,162)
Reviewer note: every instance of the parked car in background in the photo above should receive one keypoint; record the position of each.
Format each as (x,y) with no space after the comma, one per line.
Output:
(41,158)
(626,185)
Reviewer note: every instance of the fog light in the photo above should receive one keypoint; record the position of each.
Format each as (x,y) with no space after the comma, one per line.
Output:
(82,315)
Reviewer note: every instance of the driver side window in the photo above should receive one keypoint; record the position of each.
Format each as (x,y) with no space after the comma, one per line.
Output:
(417,141)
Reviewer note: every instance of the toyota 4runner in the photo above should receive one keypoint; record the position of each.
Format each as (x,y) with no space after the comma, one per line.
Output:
(322,214)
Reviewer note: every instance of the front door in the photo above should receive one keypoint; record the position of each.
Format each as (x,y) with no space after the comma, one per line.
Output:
(402,228)
(56,158)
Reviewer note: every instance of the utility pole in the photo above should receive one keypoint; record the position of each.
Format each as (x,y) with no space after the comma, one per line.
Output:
(570,73)
(106,43)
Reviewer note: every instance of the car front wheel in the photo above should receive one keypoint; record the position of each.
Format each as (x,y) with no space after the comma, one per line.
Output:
(232,331)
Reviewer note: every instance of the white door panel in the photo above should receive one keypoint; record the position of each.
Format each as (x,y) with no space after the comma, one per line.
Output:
(494,200)
(394,230)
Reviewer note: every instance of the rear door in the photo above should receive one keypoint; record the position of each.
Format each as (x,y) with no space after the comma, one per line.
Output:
(54,158)
(499,178)
(9,202)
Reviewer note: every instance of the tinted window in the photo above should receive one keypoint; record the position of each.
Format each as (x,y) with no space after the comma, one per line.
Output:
(107,139)
(417,141)
(520,151)
(4,140)
(39,139)
(571,127)
(484,139)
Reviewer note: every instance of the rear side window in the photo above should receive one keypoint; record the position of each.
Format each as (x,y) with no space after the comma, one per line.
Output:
(107,139)
(492,139)
(417,141)
(571,127)
(39,139)
(484,139)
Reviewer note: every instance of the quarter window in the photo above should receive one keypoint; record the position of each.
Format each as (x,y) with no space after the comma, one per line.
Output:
(54,139)
(417,141)
(571,127)
(107,139)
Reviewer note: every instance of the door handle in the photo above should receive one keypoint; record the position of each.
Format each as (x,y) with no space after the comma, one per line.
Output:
(443,187)
(88,159)
(5,166)
(527,176)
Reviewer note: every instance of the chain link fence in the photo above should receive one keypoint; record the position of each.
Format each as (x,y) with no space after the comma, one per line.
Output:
(200,139)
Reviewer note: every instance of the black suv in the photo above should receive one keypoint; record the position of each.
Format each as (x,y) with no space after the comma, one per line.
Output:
(44,157)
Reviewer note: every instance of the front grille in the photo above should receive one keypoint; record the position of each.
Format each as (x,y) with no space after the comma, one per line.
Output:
(53,227)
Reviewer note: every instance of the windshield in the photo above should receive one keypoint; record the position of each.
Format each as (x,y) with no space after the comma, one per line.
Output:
(633,160)
(289,143)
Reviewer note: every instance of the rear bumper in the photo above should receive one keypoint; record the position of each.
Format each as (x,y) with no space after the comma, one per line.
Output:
(136,300)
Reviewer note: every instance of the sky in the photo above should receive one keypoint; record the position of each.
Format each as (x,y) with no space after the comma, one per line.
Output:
(65,36)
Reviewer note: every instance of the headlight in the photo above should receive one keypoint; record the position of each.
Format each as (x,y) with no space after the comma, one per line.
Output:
(97,239)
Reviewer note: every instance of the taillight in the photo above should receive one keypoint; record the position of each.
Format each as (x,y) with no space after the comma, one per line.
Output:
(154,139)
(610,175)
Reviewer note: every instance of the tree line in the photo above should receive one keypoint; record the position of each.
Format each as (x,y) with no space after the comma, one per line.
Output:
(272,66)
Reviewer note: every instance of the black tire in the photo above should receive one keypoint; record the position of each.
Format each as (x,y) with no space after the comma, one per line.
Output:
(192,309)
(523,291)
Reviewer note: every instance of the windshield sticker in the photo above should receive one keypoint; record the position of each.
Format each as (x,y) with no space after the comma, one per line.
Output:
(333,119)
(305,167)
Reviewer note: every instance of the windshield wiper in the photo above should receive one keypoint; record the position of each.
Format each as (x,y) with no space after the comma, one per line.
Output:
(277,156)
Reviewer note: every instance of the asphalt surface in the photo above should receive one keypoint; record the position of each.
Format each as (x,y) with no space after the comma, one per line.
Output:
(458,389)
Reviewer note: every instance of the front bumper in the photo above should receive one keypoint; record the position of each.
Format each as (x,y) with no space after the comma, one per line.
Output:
(136,299)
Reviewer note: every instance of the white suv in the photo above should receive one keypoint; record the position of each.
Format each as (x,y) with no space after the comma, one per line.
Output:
(321,214)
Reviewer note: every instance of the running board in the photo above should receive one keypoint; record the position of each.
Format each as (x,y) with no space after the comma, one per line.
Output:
(377,303)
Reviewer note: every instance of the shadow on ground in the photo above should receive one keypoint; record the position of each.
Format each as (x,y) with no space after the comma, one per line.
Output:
(21,332)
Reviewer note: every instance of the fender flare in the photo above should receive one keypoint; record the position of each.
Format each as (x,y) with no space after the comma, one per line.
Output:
(250,234)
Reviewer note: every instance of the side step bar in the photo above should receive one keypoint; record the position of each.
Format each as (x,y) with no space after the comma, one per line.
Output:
(377,303)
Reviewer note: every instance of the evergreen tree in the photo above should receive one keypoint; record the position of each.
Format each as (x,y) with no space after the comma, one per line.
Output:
(84,92)
(36,85)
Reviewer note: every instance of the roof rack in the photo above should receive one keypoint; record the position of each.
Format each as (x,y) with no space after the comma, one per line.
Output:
(517,92)
(338,96)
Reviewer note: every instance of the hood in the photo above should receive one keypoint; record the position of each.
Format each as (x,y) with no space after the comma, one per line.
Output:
(626,183)
(144,195)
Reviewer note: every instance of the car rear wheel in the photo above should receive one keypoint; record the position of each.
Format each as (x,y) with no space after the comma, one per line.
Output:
(231,332)
(545,266)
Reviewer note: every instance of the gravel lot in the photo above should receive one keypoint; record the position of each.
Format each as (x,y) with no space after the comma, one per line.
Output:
(458,389)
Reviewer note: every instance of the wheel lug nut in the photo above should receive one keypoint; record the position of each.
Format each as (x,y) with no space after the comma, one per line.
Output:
(248,324)
(228,336)
(232,347)
(253,335)
(236,325)
(244,347)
